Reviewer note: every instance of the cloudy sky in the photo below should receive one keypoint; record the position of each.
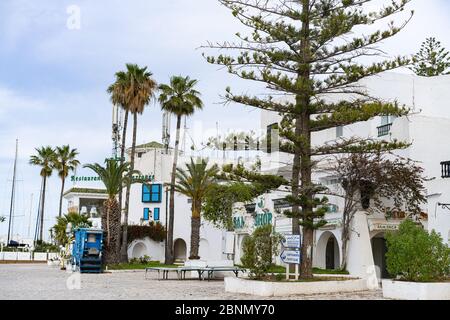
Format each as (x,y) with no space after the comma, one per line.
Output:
(53,75)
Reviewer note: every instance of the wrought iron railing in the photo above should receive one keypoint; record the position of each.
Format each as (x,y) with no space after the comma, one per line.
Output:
(384,130)
(445,169)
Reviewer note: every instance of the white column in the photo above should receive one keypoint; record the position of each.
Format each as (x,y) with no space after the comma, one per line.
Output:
(360,257)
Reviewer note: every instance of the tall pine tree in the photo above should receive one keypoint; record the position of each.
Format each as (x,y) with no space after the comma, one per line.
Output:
(312,52)
(432,59)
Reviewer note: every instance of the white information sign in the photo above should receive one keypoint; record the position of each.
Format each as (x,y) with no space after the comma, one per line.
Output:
(290,256)
(291,241)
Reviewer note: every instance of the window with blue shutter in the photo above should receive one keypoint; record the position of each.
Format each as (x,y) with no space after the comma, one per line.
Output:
(156,214)
(146,214)
(156,193)
(151,193)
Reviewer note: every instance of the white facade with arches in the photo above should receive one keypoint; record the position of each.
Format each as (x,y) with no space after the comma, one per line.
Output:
(427,128)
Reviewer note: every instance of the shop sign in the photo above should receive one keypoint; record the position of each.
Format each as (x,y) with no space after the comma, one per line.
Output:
(263,219)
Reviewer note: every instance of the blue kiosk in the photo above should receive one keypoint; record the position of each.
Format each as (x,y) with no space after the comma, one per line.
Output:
(87,250)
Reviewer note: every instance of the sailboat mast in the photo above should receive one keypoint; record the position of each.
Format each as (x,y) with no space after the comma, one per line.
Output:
(31,213)
(13,194)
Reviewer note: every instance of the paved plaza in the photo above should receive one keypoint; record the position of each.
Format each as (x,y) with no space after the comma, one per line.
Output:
(39,281)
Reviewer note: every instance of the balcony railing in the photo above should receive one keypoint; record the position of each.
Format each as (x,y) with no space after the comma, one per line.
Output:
(384,130)
(445,169)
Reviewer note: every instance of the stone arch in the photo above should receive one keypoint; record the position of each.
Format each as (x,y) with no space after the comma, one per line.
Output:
(180,249)
(204,249)
(139,250)
(328,254)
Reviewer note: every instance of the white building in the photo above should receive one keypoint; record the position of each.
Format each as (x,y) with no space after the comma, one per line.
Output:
(427,128)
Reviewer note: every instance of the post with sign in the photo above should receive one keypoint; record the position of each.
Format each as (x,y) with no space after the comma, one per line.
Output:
(290,253)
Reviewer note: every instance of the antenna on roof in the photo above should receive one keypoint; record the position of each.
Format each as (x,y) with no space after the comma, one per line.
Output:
(166,131)
(115,131)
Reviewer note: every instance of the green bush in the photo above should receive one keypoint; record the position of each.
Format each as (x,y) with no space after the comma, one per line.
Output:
(416,255)
(141,260)
(42,246)
(259,249)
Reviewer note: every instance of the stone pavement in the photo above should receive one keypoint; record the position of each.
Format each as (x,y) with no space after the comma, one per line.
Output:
(33,281)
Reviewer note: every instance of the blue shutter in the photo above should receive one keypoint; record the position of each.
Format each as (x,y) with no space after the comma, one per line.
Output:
(146,193)
(156,193)
(156,214)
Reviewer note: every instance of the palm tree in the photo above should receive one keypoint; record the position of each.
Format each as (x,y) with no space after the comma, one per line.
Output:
(181,99)
(118,91)
(113,176)
(77,220)
(195,182)
(132,90)
(45,158)
(65,162)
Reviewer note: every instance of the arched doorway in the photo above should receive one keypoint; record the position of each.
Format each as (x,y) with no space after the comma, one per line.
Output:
(330,254)
(139,250)
(204,249)
(327,252)
(179,250)
(379,250)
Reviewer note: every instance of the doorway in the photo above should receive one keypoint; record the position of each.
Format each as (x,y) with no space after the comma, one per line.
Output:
(330,254)
(180,252)
(379,250)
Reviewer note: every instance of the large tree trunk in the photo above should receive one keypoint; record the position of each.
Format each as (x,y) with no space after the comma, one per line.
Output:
(169,258)
(195,231)
(61,196)
(41,231)
(122,153)
(111,218)
(123,251)
(305,152)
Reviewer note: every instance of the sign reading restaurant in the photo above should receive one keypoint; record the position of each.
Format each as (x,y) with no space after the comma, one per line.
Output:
(146,178)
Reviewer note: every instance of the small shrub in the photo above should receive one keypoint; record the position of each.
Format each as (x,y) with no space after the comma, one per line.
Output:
(280,277)
(416,255)
(154,231)
(144,259)
(259,249)
(133,261)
